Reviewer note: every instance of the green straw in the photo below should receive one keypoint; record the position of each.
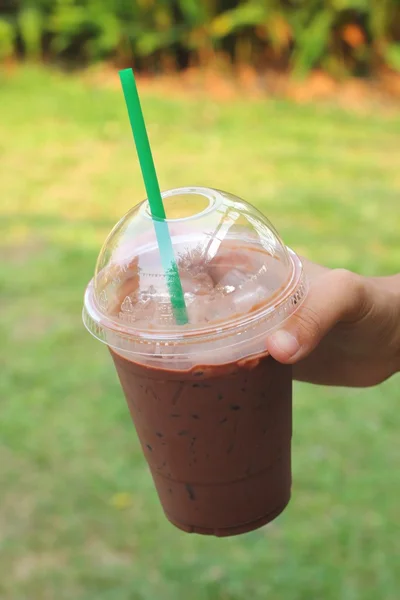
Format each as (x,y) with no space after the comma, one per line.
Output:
(154,195)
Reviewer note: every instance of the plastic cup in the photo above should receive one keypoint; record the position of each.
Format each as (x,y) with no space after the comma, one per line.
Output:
(212,410)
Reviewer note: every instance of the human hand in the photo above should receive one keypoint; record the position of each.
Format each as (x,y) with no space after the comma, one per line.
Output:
(346,333)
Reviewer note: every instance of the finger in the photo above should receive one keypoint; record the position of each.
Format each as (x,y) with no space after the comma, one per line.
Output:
(334,296)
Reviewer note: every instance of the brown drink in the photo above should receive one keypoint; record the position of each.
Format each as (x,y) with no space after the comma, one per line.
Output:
(212,410)
(217,440)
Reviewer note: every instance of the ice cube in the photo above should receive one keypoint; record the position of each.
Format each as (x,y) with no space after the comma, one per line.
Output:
(248,297)
(222,307)
(231,257)
(197,311)
(209,309)
(233,279)
(199,284)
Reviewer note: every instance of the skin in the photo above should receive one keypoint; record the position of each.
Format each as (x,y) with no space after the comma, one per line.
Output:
(347,332)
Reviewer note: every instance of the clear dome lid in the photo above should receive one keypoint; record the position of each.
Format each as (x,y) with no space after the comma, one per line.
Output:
(234,269)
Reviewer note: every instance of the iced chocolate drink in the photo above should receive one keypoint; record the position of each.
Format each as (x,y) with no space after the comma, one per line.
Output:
(212,410)
(217,440)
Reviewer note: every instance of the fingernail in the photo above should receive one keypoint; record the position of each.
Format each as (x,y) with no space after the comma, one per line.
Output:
(285,342)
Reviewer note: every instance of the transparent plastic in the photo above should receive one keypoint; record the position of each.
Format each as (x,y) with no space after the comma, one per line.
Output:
(239,280)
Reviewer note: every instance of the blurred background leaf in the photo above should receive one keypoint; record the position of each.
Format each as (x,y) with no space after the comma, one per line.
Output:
(311,41)
(30,23)
(249,14)
(7,38)
(392,56)
(194,13)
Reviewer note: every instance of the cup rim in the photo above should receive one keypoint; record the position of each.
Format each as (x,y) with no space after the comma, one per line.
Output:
(213,196)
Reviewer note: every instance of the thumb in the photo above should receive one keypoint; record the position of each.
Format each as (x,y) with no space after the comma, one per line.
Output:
(335,296)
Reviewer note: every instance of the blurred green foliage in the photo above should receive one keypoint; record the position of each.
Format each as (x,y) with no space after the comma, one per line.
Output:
(341,36)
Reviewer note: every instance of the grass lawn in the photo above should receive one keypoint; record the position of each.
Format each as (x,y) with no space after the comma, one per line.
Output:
(79,518)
